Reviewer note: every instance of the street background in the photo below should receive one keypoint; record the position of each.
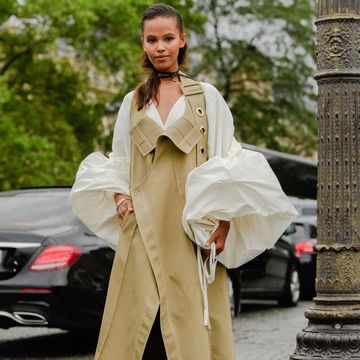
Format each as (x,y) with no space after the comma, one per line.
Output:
(262,331)
(64,70)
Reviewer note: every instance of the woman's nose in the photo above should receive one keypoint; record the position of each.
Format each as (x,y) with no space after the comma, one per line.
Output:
(160,46)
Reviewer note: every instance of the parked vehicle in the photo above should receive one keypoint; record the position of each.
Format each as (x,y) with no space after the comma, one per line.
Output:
(288,268)
(272,275)
(302,233)
(53,271)
(305,207)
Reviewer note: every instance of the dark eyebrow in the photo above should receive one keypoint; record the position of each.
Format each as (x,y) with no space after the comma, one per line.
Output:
(150,36)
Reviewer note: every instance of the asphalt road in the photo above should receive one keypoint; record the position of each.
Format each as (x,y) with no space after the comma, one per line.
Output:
(262,331)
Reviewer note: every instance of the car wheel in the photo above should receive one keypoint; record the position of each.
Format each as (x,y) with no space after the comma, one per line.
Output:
(291,293)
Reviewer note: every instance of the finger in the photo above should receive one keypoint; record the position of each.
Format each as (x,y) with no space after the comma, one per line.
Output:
(220,245)
(130,206)
(214,236)
(211,239)
(123,208)
(219,250)
(122,212)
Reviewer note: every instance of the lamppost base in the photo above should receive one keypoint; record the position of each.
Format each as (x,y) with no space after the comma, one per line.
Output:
(325,341)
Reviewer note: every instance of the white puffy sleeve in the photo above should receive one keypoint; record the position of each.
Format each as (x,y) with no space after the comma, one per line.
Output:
(99,177)
(237,185)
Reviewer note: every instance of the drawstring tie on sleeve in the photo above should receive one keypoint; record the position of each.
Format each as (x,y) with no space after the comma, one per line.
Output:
(201,231)
(207,270)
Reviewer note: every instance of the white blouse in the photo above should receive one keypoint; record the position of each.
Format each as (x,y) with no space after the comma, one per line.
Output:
(220,132)
(244,189)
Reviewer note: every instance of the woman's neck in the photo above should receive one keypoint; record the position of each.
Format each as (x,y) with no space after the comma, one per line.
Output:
(170,80)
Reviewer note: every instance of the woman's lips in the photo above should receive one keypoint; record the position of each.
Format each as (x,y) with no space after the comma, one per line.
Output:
(161,57)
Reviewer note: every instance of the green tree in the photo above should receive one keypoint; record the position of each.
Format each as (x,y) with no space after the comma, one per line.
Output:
(52,55)
(22,155)
(260,54)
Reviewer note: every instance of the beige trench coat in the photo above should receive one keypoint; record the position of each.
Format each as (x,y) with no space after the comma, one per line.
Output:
(155,262)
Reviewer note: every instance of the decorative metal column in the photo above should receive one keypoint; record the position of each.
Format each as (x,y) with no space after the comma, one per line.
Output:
(333,331)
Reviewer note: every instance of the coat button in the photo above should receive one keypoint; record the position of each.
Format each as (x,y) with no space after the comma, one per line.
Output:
(200,111)
(202,130)
(202,151)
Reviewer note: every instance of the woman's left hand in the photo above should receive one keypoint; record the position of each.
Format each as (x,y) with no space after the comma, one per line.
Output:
(219,237)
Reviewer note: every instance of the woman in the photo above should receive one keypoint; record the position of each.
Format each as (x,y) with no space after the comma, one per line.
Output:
(156,307)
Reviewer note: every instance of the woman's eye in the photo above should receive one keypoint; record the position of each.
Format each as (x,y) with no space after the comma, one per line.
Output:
(168,38)
(151,41)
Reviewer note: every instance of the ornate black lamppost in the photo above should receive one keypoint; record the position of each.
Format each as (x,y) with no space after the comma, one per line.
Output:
(334,319)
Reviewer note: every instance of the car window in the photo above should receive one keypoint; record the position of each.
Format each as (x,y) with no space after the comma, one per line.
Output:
(30,211)
(309,211)
(313,232)
(305,210)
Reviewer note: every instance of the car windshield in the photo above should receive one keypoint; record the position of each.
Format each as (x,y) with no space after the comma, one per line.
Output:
(30,211)
(306,210)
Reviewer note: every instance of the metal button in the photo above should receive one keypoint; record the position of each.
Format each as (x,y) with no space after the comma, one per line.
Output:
(200,111)
(202,130)
(202,151)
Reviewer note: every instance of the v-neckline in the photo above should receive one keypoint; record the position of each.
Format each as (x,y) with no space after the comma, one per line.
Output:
(169,113)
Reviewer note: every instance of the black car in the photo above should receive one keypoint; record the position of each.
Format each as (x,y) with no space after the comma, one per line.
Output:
(305,207)
(302,233)
(272,275)
(285,272)
(53,271)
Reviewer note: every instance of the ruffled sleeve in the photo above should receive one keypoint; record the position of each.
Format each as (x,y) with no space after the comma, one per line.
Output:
(99,177)
(237,185)
(242,189)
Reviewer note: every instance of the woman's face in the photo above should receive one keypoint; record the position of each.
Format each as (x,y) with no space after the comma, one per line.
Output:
(162,41)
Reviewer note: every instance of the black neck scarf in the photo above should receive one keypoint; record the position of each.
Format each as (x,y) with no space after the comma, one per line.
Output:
(166,75)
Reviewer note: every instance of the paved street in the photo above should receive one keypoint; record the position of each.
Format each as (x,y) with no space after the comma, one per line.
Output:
(268,332)
(261,332)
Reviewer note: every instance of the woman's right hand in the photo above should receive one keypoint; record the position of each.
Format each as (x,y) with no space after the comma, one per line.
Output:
(123,205)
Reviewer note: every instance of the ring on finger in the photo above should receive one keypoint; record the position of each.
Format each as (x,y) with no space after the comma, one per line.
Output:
(120,202)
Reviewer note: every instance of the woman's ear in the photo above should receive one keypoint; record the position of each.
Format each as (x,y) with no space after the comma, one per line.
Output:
(142,43)
(182,40)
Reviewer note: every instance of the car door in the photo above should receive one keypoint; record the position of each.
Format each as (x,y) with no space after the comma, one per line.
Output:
(267,272)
